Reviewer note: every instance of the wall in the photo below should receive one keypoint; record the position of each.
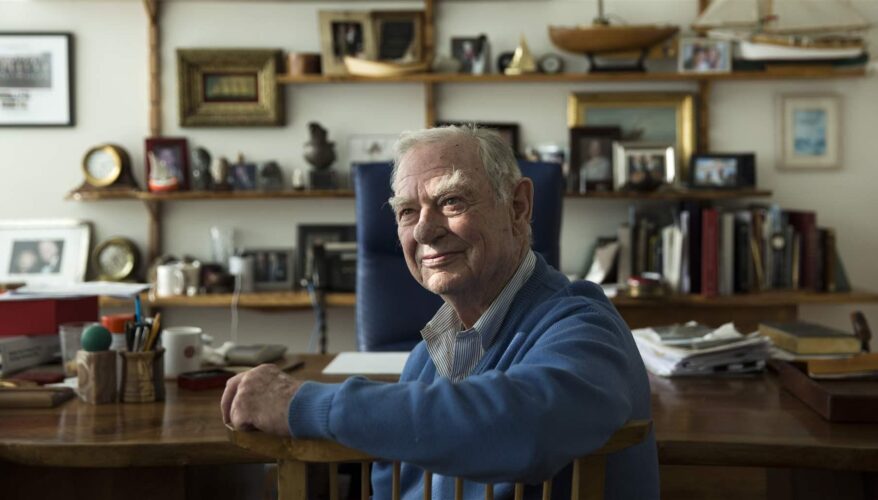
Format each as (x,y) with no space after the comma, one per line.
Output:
(40,165)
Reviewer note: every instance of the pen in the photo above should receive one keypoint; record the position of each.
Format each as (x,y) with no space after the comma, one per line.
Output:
(153,332)
(137,309)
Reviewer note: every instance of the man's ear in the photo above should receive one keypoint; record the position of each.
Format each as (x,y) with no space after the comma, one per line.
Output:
(522,203)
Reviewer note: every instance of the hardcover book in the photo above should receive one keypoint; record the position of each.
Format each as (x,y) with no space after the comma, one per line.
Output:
(809,338)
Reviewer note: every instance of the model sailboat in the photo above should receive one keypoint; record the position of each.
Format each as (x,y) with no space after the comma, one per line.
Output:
(787,30)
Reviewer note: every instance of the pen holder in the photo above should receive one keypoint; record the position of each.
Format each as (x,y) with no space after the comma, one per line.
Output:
(96,376)
(143,376)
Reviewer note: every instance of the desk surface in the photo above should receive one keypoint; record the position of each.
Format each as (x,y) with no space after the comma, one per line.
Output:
(748,421)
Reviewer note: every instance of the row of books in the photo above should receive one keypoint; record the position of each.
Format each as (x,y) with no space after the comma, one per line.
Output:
(698,248)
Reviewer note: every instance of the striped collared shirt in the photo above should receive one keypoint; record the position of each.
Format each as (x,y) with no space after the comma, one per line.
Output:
(456,352)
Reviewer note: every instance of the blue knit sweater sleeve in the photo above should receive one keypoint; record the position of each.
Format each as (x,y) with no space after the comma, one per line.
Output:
(565,391)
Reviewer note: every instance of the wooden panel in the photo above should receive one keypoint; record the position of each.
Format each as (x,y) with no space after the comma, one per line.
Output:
(292,480)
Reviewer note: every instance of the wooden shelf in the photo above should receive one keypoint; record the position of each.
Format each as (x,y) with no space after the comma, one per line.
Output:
(206,195)
(782,73)
(706,194)
(260,300)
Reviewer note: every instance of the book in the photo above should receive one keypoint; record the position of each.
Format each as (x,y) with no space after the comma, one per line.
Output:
(24,351)
(726,253)
(805,223)
(800,337)
(860,365)
(710,252)
(34,397)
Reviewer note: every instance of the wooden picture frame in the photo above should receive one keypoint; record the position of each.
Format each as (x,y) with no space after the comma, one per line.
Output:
(591,158)
(657,117)
(345,33)
(36,79)
(399,35)
(229,88)
(44,252)
(810,131)
(167,164)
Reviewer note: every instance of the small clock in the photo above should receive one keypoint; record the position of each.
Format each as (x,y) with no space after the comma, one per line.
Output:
(551,64)
(107,165)
(115,259)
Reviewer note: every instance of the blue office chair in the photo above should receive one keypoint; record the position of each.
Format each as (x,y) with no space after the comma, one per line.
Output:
(391,306)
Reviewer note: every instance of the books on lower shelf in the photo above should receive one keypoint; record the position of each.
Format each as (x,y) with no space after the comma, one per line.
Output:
(799,337)
(693,349)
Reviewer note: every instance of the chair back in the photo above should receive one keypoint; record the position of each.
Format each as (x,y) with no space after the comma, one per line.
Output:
(391,306)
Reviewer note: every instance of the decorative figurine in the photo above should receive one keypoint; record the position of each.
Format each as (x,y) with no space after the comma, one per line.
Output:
(522,61)
(503,61)
(220,174)
(320,153)
(271,178)
(201,179)
(298,179)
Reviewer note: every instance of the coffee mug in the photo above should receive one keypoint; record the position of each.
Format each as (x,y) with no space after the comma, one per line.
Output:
(170,280)
(182,350)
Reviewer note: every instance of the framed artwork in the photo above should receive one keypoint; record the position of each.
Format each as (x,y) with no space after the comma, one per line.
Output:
(309,235)
(510,132)
(229,88)
(704,55)
(642,166)
(36,80)
(591,157)
(657,117)
(242,177)
(167,164)
(372,148)
(53,252)
(399,35)
(272,268)
(810,131)
(473,54)
(345,33)
(723,171)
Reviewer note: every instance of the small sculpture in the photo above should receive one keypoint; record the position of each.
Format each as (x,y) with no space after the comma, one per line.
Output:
(298,179)
(220,173)
(201,178)
(319,152)
(522,61)
(271,177)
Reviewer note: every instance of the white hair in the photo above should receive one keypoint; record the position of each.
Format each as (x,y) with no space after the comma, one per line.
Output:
(497,157)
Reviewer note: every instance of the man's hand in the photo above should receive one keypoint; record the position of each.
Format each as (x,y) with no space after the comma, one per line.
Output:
(259,399)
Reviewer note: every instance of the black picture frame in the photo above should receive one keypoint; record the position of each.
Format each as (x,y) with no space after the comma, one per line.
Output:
(307,235)
(508,130)
(473,53)
(590,170)
(54,66)
(722,171)
(273,268)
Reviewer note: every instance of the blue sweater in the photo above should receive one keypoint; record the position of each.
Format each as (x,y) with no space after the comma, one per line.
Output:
(562,376)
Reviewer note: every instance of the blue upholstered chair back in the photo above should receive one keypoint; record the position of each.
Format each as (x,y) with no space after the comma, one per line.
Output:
(391,306)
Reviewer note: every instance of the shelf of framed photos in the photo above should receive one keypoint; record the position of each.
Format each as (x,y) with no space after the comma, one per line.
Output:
(779,73)
(207,195)
(257,300)
(688,194)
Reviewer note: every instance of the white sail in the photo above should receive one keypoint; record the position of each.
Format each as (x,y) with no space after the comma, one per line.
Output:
(782,16)
(729,14)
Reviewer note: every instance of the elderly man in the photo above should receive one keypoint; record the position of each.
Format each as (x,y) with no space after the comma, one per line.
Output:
(519,372)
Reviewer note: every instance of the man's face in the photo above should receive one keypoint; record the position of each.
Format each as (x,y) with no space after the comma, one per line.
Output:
(457,239)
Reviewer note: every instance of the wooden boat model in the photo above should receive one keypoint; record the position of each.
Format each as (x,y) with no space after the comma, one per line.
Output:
(381,69)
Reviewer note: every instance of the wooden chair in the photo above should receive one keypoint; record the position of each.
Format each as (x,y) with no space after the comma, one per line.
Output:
(293,455)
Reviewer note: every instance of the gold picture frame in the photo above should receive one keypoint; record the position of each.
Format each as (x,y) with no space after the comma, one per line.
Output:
(399,35)
(229,88)
(345,33)
(667,117)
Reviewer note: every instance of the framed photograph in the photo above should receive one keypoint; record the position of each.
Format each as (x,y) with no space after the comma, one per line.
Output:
(723,171)
(372,148)
(473,54)
(272,268)
(53,252)
(345,33)
(642,166)
(229,88)
(243,177)
(508,131)
(167,164)
(810,131)
(309,235)
(656,117)
(704,55)
(399,35)
(36,80)
(591,157)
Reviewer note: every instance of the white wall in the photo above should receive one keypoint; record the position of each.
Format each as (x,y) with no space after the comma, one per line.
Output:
(39,166)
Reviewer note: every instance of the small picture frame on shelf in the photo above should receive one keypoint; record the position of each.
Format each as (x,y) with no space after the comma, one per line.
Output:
(167,164)
(345,33)
(810,131)
(723,171)
(272,268)
(704,55)
(399,35)
(309,235)
(473,54)
(510,132)
(643,166)
(50,252)
(591,157)
(36,80)
(243,177)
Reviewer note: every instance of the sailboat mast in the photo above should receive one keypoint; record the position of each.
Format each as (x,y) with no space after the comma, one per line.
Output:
(601,19)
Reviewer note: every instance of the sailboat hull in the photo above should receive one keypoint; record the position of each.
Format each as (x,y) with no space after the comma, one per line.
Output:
(755,51)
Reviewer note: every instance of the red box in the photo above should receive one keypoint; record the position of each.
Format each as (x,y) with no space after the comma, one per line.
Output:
(42,316)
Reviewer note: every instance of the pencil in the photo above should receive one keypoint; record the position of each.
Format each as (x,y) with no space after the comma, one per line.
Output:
(154,332)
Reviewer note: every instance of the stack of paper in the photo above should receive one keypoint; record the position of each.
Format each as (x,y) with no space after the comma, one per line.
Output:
(694,349)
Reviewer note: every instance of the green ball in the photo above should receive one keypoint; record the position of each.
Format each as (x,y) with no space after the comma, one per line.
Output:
(96,338)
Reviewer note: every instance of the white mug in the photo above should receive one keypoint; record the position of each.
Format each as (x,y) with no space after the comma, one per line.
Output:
(170,280)
(182,350)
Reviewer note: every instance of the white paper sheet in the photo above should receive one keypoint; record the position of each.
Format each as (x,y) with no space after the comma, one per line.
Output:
(122,290)
(367,363)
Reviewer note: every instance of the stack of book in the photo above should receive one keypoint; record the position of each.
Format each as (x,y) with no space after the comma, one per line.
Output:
(694,349)
(801,341)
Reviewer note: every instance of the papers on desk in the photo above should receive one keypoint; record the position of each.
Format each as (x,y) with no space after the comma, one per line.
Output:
(89,288)
(367,363)
(698,350)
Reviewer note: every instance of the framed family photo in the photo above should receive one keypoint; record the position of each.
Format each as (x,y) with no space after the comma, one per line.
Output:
(345,33)
(36,80)
(704,55)
(167,164)
(272,268)
(399,35)
(644,166)
(53,252)
(229,88)
(810,131)
(591,157)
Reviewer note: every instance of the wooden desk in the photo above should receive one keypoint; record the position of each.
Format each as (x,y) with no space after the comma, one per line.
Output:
(706,422)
